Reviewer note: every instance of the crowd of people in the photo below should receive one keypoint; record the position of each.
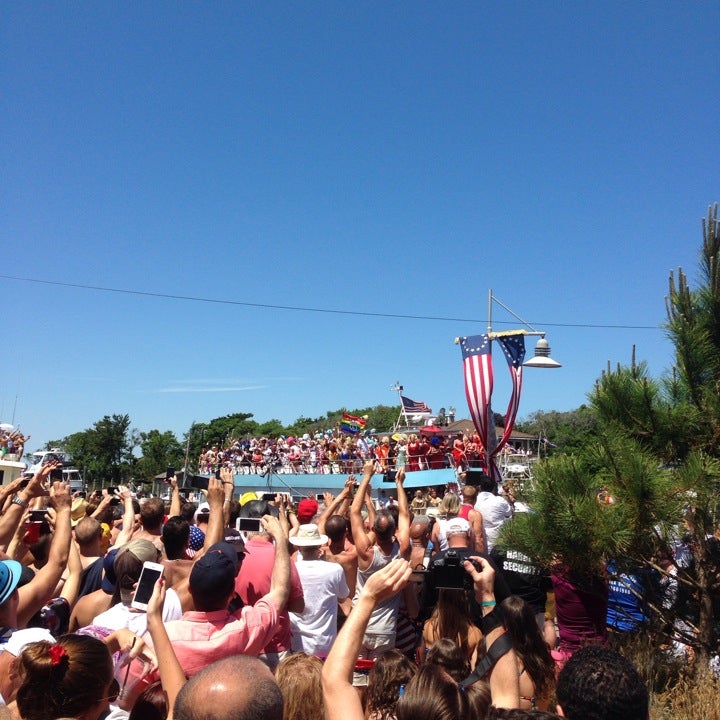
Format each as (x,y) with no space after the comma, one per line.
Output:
(334,452)
(339,611)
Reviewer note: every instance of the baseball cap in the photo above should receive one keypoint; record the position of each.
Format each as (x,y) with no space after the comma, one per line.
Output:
(203,509)
(10,572)
(20,639)
(457,526)
(306,510)
(213,575)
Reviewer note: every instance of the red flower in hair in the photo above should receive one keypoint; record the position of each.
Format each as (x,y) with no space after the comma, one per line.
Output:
(57,653)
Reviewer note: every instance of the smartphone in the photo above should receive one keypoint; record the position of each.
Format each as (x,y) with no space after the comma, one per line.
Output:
(295,499)
(249,524)
(148,577)
(111,490)
(37,515)
(320,497)
(169,473)
(56,474)
(269,497)
(199,482)
(217,473)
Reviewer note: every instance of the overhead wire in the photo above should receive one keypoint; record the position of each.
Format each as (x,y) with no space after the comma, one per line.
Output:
(300,308)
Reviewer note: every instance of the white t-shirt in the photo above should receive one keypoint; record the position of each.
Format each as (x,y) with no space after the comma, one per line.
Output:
(121,616)
(495,510)
(314,629)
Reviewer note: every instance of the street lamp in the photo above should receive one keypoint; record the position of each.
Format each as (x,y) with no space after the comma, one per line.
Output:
(478,372)
(542,357)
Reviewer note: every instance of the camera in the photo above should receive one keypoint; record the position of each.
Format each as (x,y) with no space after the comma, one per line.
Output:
(448,572)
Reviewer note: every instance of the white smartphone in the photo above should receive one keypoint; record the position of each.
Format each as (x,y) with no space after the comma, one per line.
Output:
(148,577)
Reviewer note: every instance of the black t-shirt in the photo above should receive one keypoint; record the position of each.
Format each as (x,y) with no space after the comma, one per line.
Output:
(522,577)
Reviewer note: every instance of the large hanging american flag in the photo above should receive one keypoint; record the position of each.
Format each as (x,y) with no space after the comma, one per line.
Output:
(478,369)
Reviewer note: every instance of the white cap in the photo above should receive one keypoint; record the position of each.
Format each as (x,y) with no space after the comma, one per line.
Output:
(20,639)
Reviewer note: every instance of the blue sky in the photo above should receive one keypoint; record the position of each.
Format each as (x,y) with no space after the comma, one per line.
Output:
(393,158)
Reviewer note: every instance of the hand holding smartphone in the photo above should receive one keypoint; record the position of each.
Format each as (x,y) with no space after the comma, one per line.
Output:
(150,574)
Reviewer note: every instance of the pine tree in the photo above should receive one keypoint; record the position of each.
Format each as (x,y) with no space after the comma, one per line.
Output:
(656,455)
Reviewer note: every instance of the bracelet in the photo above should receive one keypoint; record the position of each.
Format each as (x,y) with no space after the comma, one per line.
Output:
(17,500)
(488,603)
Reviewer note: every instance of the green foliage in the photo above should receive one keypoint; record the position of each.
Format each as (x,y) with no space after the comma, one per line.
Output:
(104,452)
(568,525)
(568,431)
(159,451)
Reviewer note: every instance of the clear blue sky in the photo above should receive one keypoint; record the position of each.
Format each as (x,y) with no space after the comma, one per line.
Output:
(378,157)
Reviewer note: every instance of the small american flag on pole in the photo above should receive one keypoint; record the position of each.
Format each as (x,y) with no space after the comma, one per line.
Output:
(413,407)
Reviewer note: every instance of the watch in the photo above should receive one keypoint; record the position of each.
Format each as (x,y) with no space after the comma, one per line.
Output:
(17,500)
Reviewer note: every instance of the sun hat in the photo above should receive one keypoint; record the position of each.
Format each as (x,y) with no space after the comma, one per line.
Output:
(20,639)
(247,497)
(10,572)
(308,536)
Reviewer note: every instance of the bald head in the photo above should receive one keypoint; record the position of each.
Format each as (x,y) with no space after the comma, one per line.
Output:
(336,527)
(238,687)
(419,531)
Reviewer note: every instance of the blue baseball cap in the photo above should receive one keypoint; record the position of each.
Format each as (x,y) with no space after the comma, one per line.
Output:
(10,573)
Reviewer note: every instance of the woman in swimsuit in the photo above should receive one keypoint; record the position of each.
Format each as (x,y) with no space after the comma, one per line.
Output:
(535,664)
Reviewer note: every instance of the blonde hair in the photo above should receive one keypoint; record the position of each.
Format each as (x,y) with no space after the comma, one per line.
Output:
(300,679)
(450,504)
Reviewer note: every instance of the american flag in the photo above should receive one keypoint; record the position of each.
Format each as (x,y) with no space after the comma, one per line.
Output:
(414,407)
(478,369)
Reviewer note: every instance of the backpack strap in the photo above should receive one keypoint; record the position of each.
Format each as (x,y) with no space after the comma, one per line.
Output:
(499,648)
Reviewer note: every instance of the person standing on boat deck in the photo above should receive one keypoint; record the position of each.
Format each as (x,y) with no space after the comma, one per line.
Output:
(375,550)
(495,510)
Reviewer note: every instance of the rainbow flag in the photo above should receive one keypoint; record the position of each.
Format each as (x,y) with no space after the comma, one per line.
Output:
(352,425)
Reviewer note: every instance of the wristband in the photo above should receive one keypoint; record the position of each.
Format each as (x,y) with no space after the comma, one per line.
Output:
(17,500)
(488,603)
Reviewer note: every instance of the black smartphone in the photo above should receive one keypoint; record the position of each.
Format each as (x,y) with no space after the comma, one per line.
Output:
(269,497)
(217,473)
(320,497)
(148,577)
(389,476)
(169,473)
(56,474)
(199,482)
(249,524)
(37,515)
(111,490)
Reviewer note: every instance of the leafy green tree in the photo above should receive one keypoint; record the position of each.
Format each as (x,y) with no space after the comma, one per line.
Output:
(159,451)
(566,431)
(104,453)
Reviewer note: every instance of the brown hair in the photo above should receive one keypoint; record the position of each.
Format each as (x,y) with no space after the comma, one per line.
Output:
(152,513)
(433,695)
(451,617)
(391,670)
(74,674)
(529,644)
(300,681)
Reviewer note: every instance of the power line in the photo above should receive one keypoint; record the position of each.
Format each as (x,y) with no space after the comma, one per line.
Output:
(299,308)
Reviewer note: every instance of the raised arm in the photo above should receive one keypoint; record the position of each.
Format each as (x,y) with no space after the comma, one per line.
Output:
(33,595)
(215,496)
(333,503)
(128,518)
(341,699)
(21,500)
(504,681)
(363,543)
(175,497)
(280,578)
(172,676)
(402,533)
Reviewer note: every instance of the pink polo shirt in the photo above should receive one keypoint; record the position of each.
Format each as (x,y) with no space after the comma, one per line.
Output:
(201,638)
